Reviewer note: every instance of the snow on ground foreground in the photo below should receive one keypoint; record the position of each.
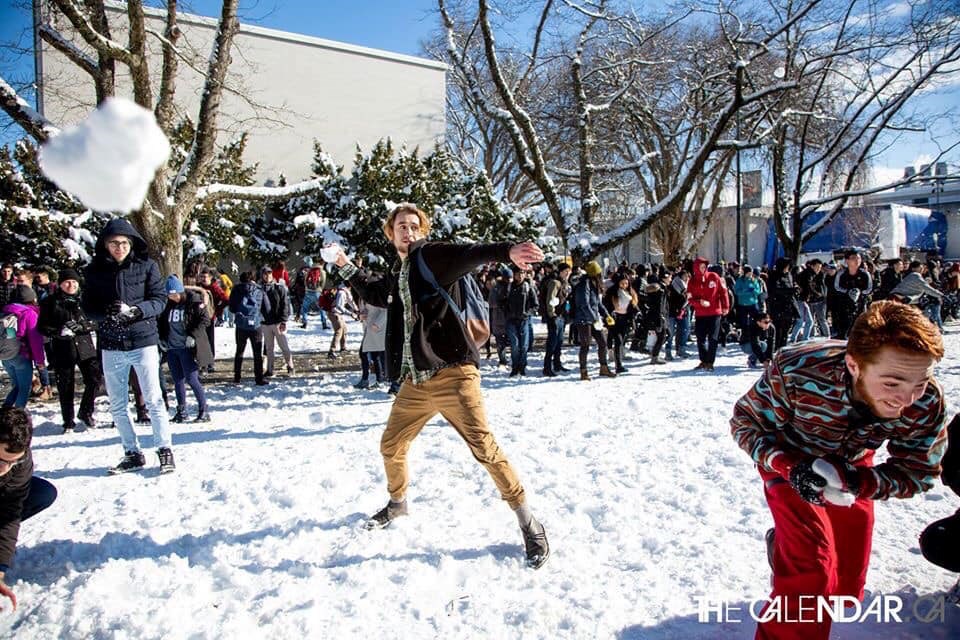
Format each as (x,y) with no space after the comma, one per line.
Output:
(648,503)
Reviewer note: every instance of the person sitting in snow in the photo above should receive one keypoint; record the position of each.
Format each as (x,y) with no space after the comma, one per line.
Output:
(811,423)
(429,349)
(22,494)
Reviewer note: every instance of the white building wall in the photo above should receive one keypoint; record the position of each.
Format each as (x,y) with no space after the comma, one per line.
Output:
(294,90)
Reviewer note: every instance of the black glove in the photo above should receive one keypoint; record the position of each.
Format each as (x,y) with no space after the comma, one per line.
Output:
(74,326)
(808,483)
(130,315)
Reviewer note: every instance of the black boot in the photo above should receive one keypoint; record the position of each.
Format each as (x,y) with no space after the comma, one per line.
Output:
(202,416)
(143,417)
(180,416)
(132,460)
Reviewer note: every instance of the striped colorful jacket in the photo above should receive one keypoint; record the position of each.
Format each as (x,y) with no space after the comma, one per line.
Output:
(802,405)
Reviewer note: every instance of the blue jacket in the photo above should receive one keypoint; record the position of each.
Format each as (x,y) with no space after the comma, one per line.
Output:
(249,304)
(588,308)
(746,291)
(136,281)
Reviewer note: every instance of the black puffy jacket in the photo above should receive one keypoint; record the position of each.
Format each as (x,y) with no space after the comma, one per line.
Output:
(66,351)
(136,281)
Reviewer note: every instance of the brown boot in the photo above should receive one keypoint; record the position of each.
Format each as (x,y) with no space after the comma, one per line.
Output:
(46,394)
(606,373)
(584,375)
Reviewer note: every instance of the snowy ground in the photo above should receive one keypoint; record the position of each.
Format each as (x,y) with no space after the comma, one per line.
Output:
(648,503)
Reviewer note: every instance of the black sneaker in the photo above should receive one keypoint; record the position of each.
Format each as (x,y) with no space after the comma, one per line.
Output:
(132,460)
(203,416)
(166,460)
(535,544)
(143,416)
(180,416)
(68,427)
(388,514)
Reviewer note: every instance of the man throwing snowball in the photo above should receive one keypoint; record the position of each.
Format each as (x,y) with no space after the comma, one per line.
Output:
(812,423)
(429,350)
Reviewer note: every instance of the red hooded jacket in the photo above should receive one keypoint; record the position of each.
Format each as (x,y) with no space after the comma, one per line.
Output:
(707,292)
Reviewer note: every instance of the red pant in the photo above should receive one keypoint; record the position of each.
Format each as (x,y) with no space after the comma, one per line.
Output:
(818,551)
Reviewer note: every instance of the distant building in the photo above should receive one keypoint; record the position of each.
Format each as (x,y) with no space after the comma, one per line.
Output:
(288,90)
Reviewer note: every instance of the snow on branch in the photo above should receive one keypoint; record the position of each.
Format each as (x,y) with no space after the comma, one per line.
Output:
(93,37)
(52,37)
(23,114)
(608,168)
(214,192)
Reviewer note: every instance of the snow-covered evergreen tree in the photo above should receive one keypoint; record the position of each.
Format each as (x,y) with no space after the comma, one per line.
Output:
(42,226)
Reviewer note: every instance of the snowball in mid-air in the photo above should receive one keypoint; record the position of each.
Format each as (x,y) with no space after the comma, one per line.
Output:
(109,159)
(330,253)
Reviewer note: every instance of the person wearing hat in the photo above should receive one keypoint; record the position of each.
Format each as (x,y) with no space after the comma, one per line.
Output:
(589,318)
(123,293)
(70,333)
(183,332)
(23,306)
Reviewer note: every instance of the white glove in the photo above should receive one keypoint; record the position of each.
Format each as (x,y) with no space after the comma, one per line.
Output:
(834,492)
(191,342)
(330,253)
(66,333)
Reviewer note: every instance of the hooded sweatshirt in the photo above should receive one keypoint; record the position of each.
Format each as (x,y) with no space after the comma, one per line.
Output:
(136,282)
(707,292)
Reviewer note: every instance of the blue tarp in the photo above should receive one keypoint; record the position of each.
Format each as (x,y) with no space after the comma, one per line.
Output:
(927,233)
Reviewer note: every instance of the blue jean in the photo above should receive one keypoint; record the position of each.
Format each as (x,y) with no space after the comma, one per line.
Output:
(803,326)
(116,374)
(518,333)
(311,298)
(679,328)
(20,370)
(818,311)
(554,342)
(184,371)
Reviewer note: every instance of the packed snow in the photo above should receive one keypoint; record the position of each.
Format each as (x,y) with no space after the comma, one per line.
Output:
(109,159)
(649,505)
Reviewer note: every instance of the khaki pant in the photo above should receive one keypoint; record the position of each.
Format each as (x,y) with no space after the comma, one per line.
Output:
(272,332)
(454,393)
(339,326)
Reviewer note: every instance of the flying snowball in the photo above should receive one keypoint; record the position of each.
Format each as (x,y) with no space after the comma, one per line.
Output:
(109,159)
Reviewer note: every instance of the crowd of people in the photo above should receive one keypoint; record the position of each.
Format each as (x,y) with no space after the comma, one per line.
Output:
(118,321)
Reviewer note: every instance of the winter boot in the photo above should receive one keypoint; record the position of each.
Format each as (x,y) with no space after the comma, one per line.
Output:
(548,372)
(535,544)
(132,460)
(388,514)
(620,369)
(514,372)
(143,417)
(606,373)
(559,368)
(584,375)
(166,460)
(202,416)
(180,416)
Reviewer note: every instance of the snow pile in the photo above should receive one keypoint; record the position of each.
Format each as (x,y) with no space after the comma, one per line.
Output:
(650,507)
(109,159)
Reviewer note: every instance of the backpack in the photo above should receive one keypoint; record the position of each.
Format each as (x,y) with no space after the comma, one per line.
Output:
(206,299)
(247,316)
(313,279)
(9,342)
(475,314)
(327,300)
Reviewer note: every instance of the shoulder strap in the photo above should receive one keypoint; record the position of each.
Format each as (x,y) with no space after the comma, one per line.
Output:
(432,281)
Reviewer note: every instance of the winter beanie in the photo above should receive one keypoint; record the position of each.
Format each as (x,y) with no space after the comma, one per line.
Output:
(68,274)
(22,294)
(174,285)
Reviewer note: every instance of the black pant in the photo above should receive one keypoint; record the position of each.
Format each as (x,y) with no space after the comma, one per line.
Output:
(256,342)
(708,331)
(42,494)
(211,339)
(584,332)
(92,378)
(618,335)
